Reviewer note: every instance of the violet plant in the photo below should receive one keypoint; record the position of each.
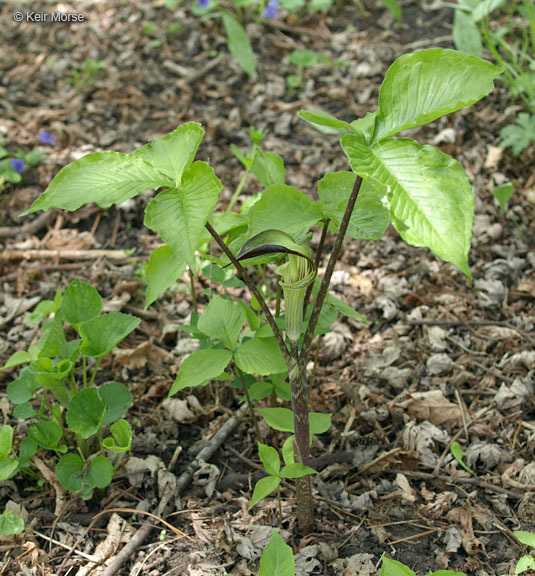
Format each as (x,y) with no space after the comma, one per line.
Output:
(422,191)
(56,394)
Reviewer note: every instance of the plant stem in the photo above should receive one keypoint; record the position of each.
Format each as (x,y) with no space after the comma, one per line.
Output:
(97,366)
(299,387)
(84,371)
(298,379)
(324,287)
(243,180)
(193,291)
(254,290)
(249,403)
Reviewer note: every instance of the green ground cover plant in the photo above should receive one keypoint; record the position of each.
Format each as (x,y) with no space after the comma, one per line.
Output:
(236,13)
(512,45)
(13,165)
(422,191)
(66,413)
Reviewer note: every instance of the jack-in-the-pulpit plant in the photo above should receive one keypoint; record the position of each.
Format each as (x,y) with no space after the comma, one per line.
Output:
(422,191)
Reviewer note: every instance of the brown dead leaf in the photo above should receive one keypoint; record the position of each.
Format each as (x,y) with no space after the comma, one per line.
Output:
(396,458)
(432,406)
(439,506)
(146,354)
(69,239)
(494,155)
(462,516)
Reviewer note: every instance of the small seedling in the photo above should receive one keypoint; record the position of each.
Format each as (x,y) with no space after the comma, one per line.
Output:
(526,562)
(272,464)
(519,135)
(394,568)
(459,454)
(87,72)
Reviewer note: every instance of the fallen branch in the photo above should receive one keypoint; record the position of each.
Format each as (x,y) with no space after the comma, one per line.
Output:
(16,255)
(29,228)
(182,481)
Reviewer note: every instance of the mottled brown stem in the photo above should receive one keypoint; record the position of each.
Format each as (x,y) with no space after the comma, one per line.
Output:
(298,379)
(299,387)
(324,287)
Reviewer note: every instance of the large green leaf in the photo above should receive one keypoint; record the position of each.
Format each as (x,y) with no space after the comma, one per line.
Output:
(431,200)
(260,356)
(163,269)
(80,303)
(239,45)
(173,153)
(370,217)
(101,334)
(277,558)
(179,214)
(105,178)
(424,85)
(222,320)
(47,434)
(200,367)
(284,208)
(86,412)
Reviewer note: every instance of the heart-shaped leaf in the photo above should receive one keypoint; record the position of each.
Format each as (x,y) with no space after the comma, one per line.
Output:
(80,303)
(199,368)
(222,320)
(86,412)
(101,334)
(116,398)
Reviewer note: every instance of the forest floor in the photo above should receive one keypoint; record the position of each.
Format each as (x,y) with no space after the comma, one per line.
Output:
(439,361)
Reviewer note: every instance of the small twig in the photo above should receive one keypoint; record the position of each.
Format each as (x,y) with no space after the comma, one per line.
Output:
(32,227)
(472,481)
(415,536)
(463,413)
(142,512)
(16,255)
(89,557)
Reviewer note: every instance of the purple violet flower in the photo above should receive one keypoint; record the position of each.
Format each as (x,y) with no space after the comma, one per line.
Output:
(271,11)
(17,164)
(203,3)
(47,138)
